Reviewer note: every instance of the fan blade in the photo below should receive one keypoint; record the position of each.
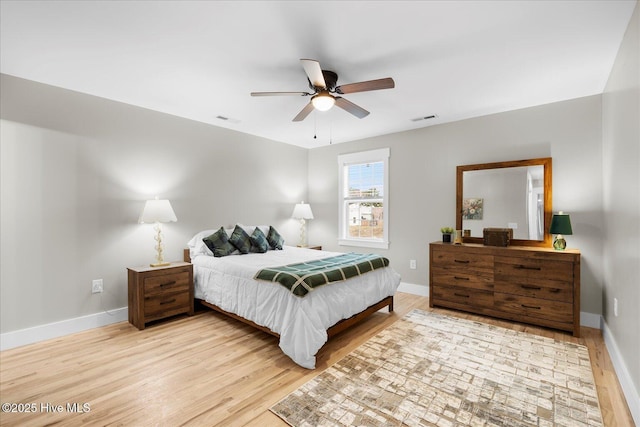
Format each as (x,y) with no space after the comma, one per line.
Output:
(304,113)
(314,72)
(386,83)
(280,94)
(352,108)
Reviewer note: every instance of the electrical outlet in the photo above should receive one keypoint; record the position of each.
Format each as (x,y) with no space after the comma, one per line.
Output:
(615,307)
(412,264)
(96,286)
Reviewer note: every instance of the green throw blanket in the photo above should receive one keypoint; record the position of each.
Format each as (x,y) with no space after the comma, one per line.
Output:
(303,277)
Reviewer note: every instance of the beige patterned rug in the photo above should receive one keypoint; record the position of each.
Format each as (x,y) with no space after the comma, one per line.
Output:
(433,370)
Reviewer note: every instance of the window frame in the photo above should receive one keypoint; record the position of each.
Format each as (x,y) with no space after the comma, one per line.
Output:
(344,160)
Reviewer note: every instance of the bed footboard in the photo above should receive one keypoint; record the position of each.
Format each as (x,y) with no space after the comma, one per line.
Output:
(333,330)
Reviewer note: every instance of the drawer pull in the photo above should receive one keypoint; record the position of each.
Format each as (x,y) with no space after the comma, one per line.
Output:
(168,301)
(461,261)
(162,285)
(526,267)
(460,278)
(531,306)
(535,288)
(554,290)
(460,295)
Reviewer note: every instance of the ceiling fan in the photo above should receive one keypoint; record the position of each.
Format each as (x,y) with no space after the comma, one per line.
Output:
(323,83)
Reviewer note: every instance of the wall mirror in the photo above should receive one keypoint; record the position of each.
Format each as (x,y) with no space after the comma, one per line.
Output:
(515,194)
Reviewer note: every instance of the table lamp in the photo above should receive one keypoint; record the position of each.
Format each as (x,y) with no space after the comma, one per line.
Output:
(302,211)
(158,211)
(560,225)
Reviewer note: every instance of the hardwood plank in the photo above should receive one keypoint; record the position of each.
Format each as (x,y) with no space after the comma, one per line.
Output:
(209,369)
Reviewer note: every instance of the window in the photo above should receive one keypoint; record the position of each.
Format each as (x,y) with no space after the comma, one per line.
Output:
(364,207)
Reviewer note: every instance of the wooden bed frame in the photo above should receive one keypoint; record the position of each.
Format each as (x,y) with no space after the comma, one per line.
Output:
(333,330)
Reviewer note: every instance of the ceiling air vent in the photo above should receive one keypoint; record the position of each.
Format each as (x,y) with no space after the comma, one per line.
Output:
(227,119)
(417,119)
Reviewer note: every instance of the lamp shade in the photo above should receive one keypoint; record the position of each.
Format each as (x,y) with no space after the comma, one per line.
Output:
(561,224)
(157,211)
(302,211)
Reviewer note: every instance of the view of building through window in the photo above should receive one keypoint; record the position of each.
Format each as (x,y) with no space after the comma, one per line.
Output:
(365,200)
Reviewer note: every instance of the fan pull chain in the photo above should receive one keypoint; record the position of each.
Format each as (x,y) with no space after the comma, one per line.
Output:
(315,124)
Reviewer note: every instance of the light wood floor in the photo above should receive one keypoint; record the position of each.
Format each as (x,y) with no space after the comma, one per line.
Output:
(206,370)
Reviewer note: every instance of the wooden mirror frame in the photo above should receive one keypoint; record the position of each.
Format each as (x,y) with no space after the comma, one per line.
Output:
(548,209)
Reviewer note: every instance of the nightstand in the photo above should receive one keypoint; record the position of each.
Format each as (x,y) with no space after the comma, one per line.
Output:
(156,293)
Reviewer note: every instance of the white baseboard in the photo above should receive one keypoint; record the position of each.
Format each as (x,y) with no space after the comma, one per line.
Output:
(631,394)
(57,329)
(414,289)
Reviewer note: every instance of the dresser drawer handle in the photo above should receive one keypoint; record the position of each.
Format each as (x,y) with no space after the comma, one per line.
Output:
(555,290)
(525,267)
(531,306)
(535,288)
(162,285)
(168,301)
(460,295)
(460,278)
(461,261)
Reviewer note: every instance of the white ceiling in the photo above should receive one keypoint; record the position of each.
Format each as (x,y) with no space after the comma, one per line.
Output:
(200,60)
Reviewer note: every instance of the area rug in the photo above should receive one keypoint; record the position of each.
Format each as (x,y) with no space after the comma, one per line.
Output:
(429,369)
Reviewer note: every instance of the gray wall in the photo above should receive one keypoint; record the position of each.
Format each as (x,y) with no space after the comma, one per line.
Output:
(621,159)
(423,173)
(75,172)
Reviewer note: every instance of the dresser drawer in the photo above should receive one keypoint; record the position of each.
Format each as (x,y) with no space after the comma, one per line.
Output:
(457,259)
(550,310)
(533,268)
(463,298)
(178,281)
(464,278)
(535,288)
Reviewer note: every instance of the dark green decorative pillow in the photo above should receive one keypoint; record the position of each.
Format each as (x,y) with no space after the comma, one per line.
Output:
(274,238)
(240,239)
(259,241)
(219,244)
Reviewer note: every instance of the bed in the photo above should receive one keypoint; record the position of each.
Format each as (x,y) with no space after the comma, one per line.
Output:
(303,324)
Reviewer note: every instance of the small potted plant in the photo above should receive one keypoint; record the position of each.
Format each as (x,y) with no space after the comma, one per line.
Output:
(446,234)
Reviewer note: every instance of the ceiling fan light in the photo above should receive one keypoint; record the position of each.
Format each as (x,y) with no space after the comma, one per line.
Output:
(323,101)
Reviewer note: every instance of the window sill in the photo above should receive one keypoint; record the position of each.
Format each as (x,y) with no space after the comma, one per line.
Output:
(364,243)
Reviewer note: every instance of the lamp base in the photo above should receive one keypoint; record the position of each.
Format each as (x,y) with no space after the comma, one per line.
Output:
(559,244)
(160,264)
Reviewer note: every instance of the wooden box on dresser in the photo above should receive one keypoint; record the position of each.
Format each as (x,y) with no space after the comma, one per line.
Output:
(540,286)
(159,292)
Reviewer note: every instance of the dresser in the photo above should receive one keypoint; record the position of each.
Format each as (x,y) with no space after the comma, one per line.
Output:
(539,286)
(159,292)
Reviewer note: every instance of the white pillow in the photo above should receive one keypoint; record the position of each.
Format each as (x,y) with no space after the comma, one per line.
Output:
(196,245)
(249,229)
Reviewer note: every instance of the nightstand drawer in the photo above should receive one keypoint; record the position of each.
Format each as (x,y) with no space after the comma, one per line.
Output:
(166,304)
(167,283)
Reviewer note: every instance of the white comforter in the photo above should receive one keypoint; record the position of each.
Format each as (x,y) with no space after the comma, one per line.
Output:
(301,322)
